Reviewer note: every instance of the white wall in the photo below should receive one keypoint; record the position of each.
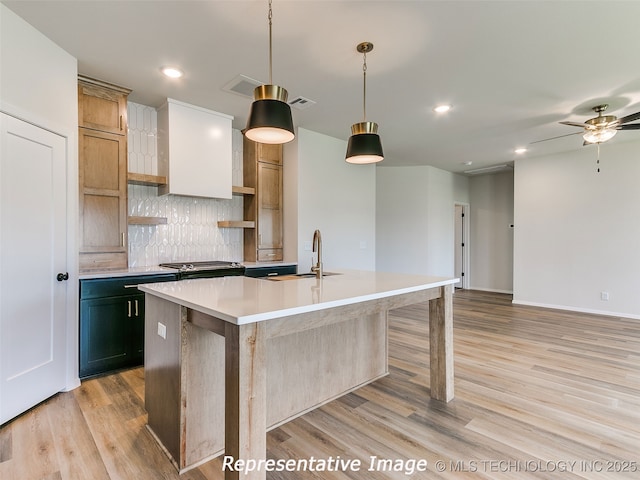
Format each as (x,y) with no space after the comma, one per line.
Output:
(576,230)
(490,237)
(38,80)
(38,84)
(415,219)
(331,195)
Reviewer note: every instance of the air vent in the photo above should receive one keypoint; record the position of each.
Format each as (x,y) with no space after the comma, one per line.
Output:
(301,103)
(487,170)
(242,85)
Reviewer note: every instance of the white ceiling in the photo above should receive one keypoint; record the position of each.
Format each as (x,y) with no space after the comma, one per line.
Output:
(511,69)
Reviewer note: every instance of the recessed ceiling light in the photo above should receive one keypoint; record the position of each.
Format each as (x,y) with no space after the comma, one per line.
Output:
(442,108)
(172,72)
(520,150)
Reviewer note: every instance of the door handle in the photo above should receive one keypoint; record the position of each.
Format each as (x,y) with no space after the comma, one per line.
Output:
(136,305)
(129,304)
(62,276)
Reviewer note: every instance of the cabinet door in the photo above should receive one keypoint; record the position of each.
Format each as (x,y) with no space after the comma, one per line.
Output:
(103,199)
(111,333)
(136,325)
(102,109)
(269,195)
(269,153)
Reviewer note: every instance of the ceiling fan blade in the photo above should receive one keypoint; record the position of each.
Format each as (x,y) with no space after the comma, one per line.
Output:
(633,126)
(559,136)
(575,124)
(629,118)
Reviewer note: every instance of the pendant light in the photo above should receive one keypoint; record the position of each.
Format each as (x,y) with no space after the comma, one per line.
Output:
(270,116)
(364,144)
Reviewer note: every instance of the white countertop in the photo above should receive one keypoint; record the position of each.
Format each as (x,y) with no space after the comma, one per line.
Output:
(125,272)
(242,300)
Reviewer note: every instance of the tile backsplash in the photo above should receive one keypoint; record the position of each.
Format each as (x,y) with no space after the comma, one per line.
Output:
(191,232)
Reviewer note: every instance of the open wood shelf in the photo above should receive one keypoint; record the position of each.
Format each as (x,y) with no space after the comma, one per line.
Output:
(146,220)
(243,190)
(236,224)
(144,179)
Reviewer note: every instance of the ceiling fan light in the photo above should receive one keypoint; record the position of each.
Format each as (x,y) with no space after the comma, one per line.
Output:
(599,135)
(364,144)
(270,118)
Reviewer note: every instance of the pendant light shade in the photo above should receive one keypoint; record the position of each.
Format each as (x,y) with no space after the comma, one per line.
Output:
(270,116)
(364,144)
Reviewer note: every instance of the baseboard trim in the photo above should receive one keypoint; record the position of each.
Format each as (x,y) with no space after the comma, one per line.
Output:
(492,290)
(577,309)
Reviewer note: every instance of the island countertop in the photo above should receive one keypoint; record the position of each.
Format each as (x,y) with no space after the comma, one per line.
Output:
(241,300)
(229,358)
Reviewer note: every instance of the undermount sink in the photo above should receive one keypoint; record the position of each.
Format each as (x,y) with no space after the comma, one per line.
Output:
(298,276)
(311,274)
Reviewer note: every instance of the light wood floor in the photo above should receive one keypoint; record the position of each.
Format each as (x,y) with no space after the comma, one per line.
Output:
(536,391)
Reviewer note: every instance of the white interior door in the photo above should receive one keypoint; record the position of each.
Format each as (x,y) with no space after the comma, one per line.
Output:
(33,235)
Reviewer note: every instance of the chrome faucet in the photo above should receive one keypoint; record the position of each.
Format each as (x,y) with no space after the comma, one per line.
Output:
(317,247)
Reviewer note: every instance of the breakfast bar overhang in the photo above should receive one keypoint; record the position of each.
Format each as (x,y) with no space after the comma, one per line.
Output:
(227,359)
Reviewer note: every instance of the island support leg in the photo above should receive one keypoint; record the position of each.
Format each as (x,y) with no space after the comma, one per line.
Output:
(441,344)
(245,398)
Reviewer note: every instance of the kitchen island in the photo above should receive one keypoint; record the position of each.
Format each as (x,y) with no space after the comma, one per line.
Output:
(227,359)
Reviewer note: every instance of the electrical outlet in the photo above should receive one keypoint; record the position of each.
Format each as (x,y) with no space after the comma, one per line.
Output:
(162,330)
(363,245)
(604,296)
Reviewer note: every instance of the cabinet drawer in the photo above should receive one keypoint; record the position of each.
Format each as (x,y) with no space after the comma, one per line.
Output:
(103,261)
(114,287)
(270,255)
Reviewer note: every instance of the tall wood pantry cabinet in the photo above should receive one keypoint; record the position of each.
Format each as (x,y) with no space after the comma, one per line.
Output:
(102,165)
(262,170)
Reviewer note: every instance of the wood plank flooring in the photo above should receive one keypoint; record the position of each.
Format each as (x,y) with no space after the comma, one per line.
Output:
(540,394)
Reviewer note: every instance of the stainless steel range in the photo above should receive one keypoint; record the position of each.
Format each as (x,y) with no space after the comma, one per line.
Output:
(208,269)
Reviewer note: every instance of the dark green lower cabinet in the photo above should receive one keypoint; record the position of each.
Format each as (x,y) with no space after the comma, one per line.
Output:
(112,323)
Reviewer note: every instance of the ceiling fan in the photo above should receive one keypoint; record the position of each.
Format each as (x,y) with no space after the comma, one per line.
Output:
(601,128)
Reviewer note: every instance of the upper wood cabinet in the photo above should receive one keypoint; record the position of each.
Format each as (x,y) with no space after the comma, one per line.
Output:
(194,151)
(102,168)
(267,153)
(102,106)
(262,169)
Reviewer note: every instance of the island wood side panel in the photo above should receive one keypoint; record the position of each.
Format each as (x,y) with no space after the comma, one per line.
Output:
(245,395)
(162,372)
(202,392)
(441,345)
(269,372)
(186,391)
